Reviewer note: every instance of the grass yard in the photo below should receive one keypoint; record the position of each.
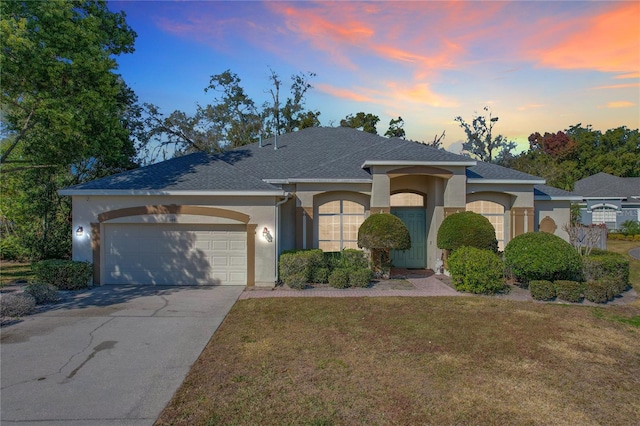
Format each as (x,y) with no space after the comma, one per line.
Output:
(12,271)
(374,361)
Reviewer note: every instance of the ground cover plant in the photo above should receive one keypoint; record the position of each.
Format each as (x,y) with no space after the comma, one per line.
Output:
(463,360)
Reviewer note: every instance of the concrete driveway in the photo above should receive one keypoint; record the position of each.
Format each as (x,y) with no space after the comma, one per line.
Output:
(108,356)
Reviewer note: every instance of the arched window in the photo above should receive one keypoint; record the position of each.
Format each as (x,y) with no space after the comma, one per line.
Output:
(338,223)
(603,214)
(495,213)
(407,199)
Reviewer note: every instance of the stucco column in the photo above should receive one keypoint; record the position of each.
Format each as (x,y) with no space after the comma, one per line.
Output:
(380,193)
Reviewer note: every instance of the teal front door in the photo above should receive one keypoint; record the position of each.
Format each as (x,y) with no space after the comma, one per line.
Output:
(416,221)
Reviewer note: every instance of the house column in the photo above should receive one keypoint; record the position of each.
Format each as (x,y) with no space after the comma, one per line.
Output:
(522,220)
(380,193)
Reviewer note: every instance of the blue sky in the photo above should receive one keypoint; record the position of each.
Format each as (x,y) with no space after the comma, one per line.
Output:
(540,66)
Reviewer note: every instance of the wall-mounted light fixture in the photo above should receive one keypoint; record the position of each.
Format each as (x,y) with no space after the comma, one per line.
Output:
(267,235)
(79,231)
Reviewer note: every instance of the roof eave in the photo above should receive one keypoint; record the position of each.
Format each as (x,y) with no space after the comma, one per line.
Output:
(507,181)
(87,192)
(369,163)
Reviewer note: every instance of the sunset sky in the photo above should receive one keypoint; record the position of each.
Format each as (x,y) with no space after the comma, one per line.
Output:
(540,66)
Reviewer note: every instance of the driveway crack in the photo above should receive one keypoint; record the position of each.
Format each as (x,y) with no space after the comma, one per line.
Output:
(83,349)
(166,303)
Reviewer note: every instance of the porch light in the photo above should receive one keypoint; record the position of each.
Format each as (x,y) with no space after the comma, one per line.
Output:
(267,235)
(79,231)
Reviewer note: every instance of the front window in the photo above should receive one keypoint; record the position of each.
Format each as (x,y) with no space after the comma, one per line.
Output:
(407,199)
(495,213)
(338,223)
(603,215)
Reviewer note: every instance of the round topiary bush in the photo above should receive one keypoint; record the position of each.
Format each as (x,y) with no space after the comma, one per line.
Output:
(382,233)
(467,229)
(542,256)
(476,271)
(570,291)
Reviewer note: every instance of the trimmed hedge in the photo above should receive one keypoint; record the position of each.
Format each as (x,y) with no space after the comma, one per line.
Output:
(542,256)
(467,229)
(297,268)
(542,290)
(64,274)
(570,291)
(43,293)
(602,264)
(600,291)
(339,278)
(360,277)
(476,271)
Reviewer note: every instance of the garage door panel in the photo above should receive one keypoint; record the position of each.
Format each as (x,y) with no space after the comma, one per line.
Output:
(167,254)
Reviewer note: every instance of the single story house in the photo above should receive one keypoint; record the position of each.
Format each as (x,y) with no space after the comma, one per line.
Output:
(608,199)
(225,218)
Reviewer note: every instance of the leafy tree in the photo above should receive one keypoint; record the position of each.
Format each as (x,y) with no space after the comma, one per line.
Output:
(382,233)
(481,142)
(67,117)
(396,128)
(362,121)
(562,158)
(231,120)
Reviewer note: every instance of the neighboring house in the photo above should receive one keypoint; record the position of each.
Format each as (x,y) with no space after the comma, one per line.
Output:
(224,219)
(608,199)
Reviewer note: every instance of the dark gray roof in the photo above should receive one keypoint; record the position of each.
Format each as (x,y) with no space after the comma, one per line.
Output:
(494,172)
(318,153)
(330,153)
(194,172)
(544,192)
(608,186)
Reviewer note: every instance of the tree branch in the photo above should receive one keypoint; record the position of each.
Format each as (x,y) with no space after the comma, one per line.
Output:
(27,125)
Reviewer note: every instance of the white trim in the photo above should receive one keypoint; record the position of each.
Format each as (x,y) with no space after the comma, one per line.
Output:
(287,181)
(369,163)
(604,198)
(170,192)
(507,181)
(556,198)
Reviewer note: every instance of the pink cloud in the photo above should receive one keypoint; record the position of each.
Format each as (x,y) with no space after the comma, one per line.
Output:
(620,104)
(608,41)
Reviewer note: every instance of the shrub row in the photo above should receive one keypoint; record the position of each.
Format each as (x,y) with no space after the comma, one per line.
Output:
(542,256)
(607,265)
(347,268)
(623,237)
(476,270)
(64,274)
(598,291)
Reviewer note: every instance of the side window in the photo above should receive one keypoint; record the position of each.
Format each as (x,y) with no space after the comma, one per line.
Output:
(495,213)
(338,223)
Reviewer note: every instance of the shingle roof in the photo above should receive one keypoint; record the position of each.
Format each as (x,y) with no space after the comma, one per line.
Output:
(489,171)
(544,192)
(318,153)
(608,186)
(194,172)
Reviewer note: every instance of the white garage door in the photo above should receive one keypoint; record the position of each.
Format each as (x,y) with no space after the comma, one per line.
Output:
(175,254)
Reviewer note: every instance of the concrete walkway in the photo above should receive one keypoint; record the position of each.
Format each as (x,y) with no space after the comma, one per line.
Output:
(424,287)
(112,355)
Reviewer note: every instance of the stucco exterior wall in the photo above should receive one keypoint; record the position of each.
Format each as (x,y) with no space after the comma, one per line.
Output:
(558,211)
(261,211)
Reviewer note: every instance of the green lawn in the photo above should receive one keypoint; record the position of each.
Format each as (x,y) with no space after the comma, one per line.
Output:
(11,271)
(374,361)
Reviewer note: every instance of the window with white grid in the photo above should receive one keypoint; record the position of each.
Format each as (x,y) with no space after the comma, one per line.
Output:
(495,213)
(338,223)
(603,215)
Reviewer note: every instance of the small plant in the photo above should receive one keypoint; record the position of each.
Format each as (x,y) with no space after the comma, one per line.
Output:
(542,256)
(600,291)
(570,291)
(467,229)
(542,290)
(17,305)
(476,271)
(296,281)
(339,278)
(360,277)
(43,293)
(630,227)
(64,274)
(382,233)
(298,267)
